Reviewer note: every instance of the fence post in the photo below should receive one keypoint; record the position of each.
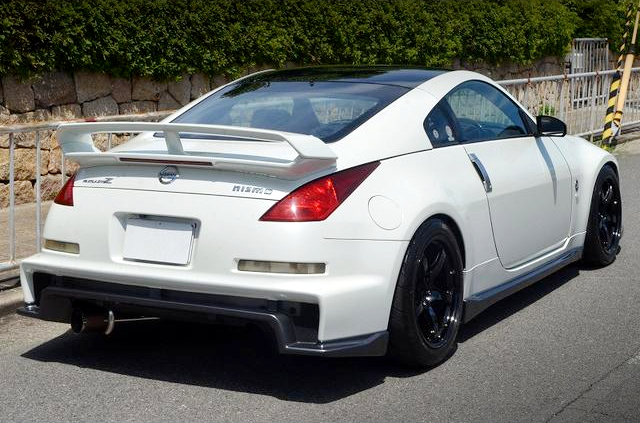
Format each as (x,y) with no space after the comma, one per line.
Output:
(38,196)
(12,200)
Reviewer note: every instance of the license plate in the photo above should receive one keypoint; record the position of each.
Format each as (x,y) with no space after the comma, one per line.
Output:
(158,241)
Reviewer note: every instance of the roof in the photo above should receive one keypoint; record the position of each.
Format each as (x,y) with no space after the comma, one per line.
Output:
(384,75)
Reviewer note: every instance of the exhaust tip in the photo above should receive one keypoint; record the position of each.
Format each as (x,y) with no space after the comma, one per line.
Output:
(97,322)
(77,322)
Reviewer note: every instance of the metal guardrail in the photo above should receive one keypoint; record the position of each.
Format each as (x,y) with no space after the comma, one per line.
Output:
(578,99)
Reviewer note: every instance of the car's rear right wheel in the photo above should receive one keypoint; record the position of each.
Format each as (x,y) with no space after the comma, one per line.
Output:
(427,307)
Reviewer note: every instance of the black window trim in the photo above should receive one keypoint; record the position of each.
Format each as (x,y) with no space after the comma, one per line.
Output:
(446,109)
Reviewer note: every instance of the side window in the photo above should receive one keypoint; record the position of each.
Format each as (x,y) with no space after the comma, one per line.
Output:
(439,127)
(485,113)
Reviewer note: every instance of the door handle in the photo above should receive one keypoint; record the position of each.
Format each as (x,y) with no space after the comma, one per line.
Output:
(482,172)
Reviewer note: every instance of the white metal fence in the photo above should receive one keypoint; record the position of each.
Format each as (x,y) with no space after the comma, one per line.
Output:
(589,55)
(578,99)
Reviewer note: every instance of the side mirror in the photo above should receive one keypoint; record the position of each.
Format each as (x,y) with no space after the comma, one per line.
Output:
(550,126)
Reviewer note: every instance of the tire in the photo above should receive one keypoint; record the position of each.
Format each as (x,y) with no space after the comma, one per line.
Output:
(604,227)
(426,313)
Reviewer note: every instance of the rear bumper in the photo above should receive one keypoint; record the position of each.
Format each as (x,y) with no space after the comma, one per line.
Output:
(293,324)
(353,296)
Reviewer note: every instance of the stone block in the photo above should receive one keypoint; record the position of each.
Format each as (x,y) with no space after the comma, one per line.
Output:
(40,115)
(167,102)
(200,85)
(6,118)
(18,94)
(50,185)
(4,195)
(55,160)
(101,141)
(25,139)
(24,164)
(137,107)
(146,89)
(48,140)
(218,81)
(53,89)
(105,106)
(179,90)
(66,112)
(91,85)
(24,192)
(28,140)
(121,90)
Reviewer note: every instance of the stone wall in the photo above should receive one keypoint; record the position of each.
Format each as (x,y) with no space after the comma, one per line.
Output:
(543,67)
(61,96)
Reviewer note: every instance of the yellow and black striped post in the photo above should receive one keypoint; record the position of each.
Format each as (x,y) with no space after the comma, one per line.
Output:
(609,132)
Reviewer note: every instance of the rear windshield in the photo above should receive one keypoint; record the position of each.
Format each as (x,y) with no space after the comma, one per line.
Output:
(327,110)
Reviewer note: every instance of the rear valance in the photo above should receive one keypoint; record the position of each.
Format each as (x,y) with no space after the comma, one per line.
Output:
(312,153)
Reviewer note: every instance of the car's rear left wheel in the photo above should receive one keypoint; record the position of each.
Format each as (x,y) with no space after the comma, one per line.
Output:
(427,307)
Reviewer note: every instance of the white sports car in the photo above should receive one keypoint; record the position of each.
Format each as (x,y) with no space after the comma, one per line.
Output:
(349,211)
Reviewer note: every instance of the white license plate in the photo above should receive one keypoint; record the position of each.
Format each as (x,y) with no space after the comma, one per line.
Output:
(158,241)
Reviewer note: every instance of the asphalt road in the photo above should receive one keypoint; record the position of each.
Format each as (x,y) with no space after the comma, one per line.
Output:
(565,349)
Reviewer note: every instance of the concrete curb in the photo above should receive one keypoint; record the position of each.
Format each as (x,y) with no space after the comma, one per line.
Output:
(10,300)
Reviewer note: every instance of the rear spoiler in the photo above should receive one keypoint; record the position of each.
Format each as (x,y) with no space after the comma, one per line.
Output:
(312,153)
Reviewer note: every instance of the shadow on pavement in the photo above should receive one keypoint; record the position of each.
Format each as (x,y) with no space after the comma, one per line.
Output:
(229,358)
(242,358)
(518,301)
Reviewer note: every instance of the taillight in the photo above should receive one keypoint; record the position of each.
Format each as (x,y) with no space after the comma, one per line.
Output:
(65,196)
(316,200)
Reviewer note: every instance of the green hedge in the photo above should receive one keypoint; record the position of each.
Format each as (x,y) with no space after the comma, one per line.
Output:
(165,38)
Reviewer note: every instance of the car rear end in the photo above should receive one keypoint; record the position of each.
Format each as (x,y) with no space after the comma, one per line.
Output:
(175,253)
(218,223)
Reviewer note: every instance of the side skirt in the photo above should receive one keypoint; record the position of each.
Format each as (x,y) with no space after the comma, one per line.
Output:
(477,303)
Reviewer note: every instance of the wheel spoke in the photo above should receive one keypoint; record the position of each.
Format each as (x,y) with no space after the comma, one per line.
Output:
(433,318)
(607,196)
(425,265)
(433,296)
(436,268)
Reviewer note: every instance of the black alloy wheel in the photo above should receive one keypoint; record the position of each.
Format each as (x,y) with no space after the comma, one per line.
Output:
(426,313)
(436,294)
(604,228)
(609,216)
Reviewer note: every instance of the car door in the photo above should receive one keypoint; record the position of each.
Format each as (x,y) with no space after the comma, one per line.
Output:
(526,178)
